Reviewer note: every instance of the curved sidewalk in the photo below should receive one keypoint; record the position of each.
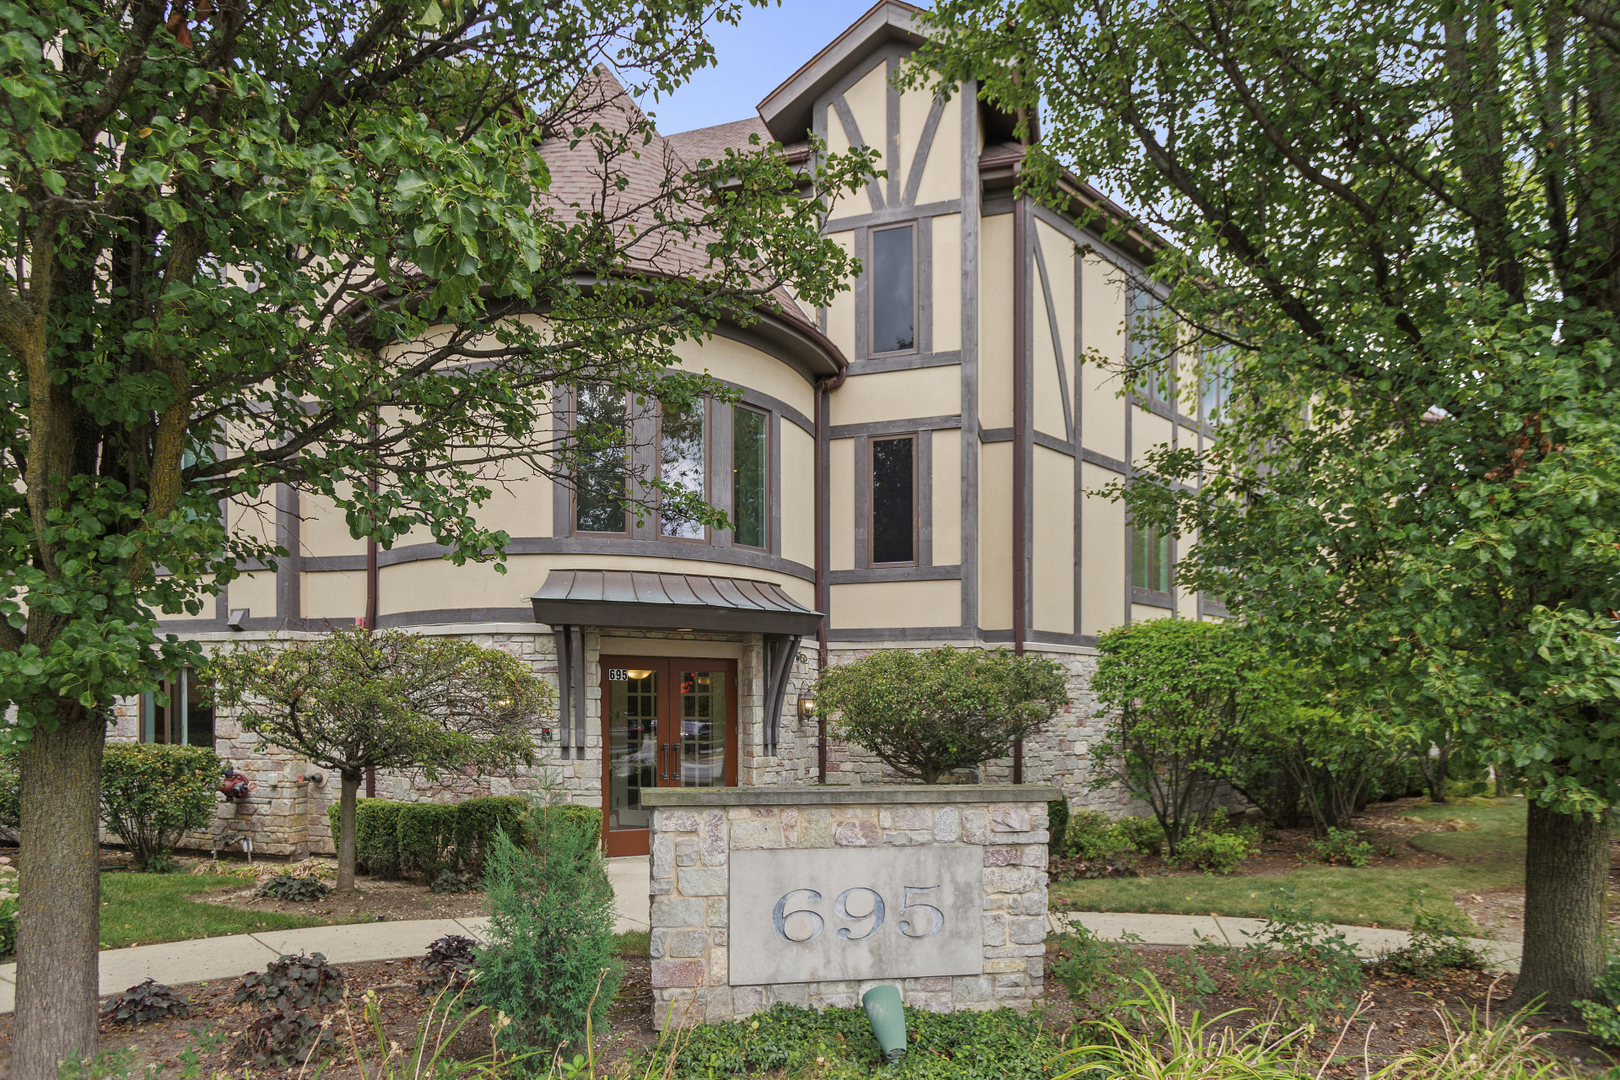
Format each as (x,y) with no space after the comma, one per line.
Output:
(207,959)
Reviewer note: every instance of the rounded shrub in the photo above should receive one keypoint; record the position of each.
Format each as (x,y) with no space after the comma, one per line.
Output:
(928,714)
(153,794)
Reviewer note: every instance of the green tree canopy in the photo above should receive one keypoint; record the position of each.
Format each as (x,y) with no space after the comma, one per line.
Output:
(1392,232)
(256,242)
(353,700)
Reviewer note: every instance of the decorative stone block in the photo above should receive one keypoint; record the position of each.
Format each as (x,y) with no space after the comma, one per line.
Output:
(778,874)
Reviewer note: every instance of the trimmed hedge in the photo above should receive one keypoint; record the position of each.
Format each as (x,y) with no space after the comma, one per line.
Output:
(393,839)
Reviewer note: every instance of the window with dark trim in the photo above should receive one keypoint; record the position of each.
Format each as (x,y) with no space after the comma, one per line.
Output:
(1145,354)
(187,719)
(1150,559)
(1216,378)
(892,286)
(750,476)
(894,501)
(602,468)
(682,454)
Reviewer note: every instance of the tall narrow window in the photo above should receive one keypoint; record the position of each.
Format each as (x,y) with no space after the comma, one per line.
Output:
(893,287)
(680,465)
(1217,384)
(1150,559)
(749,464)
(187,719)
(894,500)
(1144,350)
(601,475)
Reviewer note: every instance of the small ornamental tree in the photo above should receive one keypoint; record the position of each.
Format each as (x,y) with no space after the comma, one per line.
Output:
(1184,697)
(356,700)
(152,795)
(927,714)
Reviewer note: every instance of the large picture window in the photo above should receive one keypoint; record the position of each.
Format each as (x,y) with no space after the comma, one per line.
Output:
(602,473)
(750,473)
(681,454)
(188,717)
(893,289)
(1150,559)
(894,501)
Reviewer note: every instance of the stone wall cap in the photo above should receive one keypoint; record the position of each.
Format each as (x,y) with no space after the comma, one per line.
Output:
(852,795)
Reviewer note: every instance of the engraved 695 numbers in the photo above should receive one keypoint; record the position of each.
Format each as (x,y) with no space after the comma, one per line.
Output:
(867,922)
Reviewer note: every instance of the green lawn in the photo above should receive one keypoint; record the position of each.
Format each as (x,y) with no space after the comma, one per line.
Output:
(144,909)
(1491,855)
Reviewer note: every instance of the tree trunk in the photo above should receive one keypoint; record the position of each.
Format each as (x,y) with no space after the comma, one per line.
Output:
(59,921)
(1434,771)
(1566,887)
(351,787)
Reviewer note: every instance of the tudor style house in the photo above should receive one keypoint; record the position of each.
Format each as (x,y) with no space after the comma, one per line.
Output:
(913,465)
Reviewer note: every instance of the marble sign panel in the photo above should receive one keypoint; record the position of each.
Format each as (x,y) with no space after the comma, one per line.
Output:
(828,914)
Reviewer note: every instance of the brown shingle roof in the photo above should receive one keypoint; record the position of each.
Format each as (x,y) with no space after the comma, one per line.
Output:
(712,142)
(586,177)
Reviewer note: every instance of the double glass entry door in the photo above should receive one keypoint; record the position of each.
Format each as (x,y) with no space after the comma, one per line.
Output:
(670,723)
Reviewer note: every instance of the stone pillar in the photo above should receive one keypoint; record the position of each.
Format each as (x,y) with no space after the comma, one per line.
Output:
(811,896)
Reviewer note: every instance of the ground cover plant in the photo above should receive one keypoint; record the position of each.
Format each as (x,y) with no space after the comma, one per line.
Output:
(1487,856)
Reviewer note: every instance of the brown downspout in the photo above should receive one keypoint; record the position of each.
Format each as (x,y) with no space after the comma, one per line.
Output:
(824,387)
(1021,440)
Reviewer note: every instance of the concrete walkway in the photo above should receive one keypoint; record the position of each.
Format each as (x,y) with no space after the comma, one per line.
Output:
(1191,929)
(207,959)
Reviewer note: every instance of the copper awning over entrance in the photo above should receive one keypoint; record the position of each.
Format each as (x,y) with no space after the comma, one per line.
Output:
(654,601)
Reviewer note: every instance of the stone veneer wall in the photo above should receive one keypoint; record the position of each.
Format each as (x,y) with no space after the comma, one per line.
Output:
(286,815)
(1060,755)
(690,885)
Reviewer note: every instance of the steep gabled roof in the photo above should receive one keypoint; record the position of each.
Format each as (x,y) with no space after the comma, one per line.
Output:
(787,109)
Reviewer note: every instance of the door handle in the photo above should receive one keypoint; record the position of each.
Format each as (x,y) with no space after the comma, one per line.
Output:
(663,751)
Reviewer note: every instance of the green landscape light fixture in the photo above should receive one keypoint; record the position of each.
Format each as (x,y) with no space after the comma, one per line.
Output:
(888,1019)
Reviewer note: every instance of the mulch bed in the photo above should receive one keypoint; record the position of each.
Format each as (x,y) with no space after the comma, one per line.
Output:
(218,1021)
(1399,1015)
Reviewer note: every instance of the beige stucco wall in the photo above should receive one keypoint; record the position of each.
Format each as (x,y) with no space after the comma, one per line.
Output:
(942,174)
(947,281)
(995,325)
(947,497)
(798,480)
(995,536)
(1102,411)
(744,365)
(1103,555)
(896,603)
(841,504)
(1052,594)
(893,395)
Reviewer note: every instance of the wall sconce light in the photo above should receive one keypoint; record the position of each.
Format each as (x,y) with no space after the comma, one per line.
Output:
(239,617)
(637,674)
(807,707)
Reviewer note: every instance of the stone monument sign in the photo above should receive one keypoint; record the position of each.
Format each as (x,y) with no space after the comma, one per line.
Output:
(813,895)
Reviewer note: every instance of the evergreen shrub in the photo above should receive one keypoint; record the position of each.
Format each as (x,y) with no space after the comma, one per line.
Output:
(153,794)
(550,953)
(393,839)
